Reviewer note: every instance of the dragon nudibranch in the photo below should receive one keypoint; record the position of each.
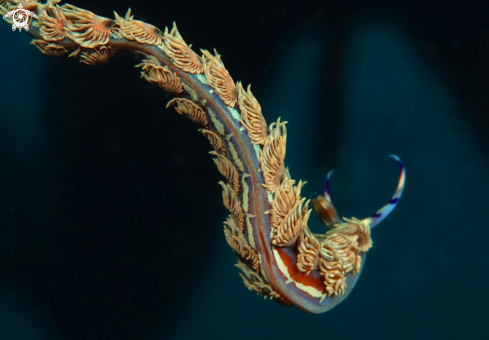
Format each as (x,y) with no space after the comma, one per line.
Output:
(280,258)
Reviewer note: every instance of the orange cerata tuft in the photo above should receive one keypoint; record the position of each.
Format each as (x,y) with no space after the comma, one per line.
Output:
(273,155)
(98,55)
(227,169)
(139,31)
(215,141)
(257,284)
(289,214)
(189,109)
(308,252)
(232,203)
(341,252)
(292,225)
(240,245)
(87,29)
(253,120)
(218,78)
(180,53)
(52,22)
(50,49)
(153,72)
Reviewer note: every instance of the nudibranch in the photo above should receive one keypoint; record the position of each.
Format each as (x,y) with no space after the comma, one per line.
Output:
(278,255)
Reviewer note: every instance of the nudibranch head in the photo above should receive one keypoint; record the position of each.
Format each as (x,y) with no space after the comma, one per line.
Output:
(339,253)
(327,213)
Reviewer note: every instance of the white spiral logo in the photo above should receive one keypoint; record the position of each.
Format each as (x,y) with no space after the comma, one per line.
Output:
(20,17)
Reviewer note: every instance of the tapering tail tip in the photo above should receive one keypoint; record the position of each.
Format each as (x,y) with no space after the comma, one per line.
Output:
(386,209)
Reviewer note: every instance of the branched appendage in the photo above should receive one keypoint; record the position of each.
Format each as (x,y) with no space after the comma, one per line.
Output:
(49,49)
(87,29)
(180,53)
(135,30)
(289,214)
(273,155)
(227,169)
(253,120)
(215,141)
(308,248)
(218,78)
(257,284)
(280,258)
(190,109)
(341,253)
(238,242)
(101,55)
(153,72)
(52,20)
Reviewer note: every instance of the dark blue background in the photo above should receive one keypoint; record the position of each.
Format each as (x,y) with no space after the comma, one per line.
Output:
(110,212)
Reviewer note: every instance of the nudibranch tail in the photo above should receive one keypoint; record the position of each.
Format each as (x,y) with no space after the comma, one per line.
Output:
(383,212)
(279,256)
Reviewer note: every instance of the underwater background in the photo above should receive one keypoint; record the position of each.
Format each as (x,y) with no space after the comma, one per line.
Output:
(111,215)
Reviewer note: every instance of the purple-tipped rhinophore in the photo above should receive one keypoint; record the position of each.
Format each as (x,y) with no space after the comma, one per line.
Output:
(386,209)
(326,188)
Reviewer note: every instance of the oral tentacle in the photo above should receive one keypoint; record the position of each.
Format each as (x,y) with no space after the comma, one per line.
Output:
(325,211)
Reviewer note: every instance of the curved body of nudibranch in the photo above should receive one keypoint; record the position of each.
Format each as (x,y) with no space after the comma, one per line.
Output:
(280,258)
